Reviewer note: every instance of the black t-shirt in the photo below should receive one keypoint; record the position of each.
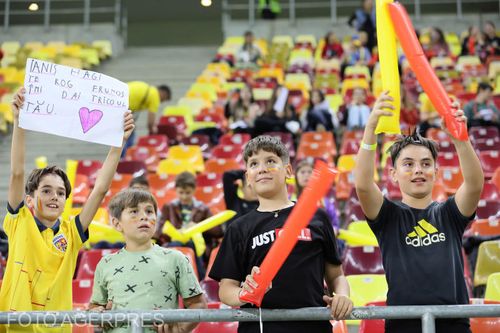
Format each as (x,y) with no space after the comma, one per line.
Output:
(421,252)
(300,281)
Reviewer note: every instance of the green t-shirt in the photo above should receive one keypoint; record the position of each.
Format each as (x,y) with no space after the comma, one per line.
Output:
(144,280)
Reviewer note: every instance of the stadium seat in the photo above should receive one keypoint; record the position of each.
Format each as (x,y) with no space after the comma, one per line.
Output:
(344,185)
(437,134)
(209,179)
(485,325)
(350,147)
(287,140)
(362,260)
(81,189)
(490,191)
(483,132)
(159,142)
(488,262)
(373,325)
(486,144)
(490,160)
(88,261)
(170,166)
(495,179)
(211,289)
(493,287)
(191,154)
(448,160)
(209,194)
(147,155)
(354,212)
(178,121)
(319,150)
(159,182)
(135,168)
(487,208)
(393,190)
(82,292)
(201,140)
(211,259)
(235,139)
(484,227)
(89,168)
(439,192)
(189,253)
(216,327)
(164,197)
(451,178)
(228,151)
(221,165)
(120,181)
(366,288)
(171,132)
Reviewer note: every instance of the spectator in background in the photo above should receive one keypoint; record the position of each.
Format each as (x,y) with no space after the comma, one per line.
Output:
(475,44)
(319,116)
(143,96)
(437,46)
(139,183)
(242,201)
(333,48)
(358,53)
(249,53)
(357,112)
(241,110)
(492,39)
(363,20)
(482,111)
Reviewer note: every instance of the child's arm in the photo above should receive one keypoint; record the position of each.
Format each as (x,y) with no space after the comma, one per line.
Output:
(340,303)
(370,196)
(17,154)
(230,290)
(468,194)
(105,176)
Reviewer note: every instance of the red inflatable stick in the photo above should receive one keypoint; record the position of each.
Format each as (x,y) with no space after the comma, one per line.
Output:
(425,75)
(320,182)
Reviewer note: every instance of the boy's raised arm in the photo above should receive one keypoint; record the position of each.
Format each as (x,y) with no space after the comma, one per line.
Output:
(17,155)
(105,176)
(468,194)
(370,196)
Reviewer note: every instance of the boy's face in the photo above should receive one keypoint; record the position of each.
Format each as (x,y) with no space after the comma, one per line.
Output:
(48,199)
(185,195)
(137,223)
(415,171)
(266,174)
(303,175)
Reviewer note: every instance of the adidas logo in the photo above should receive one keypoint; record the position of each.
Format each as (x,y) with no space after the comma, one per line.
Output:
(425,234)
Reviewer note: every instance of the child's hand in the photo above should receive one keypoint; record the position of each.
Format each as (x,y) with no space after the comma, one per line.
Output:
(459,116)
(340,305)
(101,308)
(249,285)
(18,101)
(128,125)
(384,101)
(171,328)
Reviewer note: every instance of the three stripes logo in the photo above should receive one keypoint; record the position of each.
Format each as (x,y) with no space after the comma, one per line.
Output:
(424,234)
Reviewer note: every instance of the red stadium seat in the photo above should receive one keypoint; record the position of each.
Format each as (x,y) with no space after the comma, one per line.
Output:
(352,135)
(490,192)
(490,160)
(451,179)
(373,325)
(209,179)
(439,192)
(164,196)
(161,182)
(221,165)
(145,154)
(228,151)
(448,160)
(320,137)
(350,146)
(362,260)
(393,190)
(211,260)
(486,144)
(82,291)
(495,179)
(485,227)
(135,168)
(437,134)
(88,262)
(485,209)
(89,168)
(344,185)
(159,142)
(189,253)
(355,212)
(211,289)
(171,132)
(209,194)
(120,181)
(315,150)
(81,189)
(446,146)
(480,132)
(178,121)
(235,139)
(287,140)
(485,325)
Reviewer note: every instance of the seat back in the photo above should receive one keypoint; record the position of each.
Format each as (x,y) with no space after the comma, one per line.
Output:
(488,262)
(362,260)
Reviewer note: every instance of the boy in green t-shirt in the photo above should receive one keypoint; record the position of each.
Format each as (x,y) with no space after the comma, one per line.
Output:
(143,276)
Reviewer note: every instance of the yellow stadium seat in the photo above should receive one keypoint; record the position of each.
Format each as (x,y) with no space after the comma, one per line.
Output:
(283,39)
(366,288)
(306,39)
(196,125)
(72,50)
(180,110)
(493,287)
(330,64)
(194,104)
(346,162)
(105,46)
(33,45)
(58,45)
(206,88)
(366,236)
(234,40)
(299,78)
(357,70)
(220,67)
(228,50)
(354,83)
(71,62)
(190,153)
(215,81)
(6,112)
(301,53)
(90,57)
(488,262)
(170,166)
(10,47)
(442,62)
(334,101)
(262,93)
(205,95)
(228,86)
(468,60)
(276,72)
(452,38)
(8,73)
(494,69)
(40,54)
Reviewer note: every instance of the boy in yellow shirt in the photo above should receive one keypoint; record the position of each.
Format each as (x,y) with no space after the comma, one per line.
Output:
(43,247)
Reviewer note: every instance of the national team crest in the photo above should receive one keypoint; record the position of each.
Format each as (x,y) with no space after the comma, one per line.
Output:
(60,242)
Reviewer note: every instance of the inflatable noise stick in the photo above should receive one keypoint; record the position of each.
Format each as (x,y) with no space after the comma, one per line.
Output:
(318,185)
(425,75)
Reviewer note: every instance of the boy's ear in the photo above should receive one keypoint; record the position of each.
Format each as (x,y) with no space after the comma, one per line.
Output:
(116,223)
(289,171)
(392,171)
(30,201)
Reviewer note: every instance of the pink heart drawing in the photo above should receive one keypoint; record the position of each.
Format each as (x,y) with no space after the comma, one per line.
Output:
(88,118)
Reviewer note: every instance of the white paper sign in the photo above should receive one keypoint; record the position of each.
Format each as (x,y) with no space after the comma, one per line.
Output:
(73,103)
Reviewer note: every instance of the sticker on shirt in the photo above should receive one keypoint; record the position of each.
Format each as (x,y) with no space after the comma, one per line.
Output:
(269,237)
(424,234)
(60,242)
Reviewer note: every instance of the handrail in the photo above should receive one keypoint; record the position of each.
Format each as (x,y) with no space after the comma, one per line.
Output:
(136,319)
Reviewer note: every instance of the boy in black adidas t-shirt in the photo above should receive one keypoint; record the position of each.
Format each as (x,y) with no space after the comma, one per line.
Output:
(420,240)
(314,259)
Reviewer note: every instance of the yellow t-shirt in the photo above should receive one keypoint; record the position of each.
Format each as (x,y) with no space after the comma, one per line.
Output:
(426,104)
(40,267)
(142,96)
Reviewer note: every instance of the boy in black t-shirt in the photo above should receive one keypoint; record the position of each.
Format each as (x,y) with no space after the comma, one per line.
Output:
(420,240)
(314,259)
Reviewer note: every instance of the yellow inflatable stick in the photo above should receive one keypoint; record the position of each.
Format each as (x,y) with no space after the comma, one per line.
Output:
(388,57)
(103,232)
(209,223)
(356,239)
(174,233)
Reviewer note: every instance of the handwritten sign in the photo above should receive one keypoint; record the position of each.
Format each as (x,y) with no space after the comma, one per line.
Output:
(73,103)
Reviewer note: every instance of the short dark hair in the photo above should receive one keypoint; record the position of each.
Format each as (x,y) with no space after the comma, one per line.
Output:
(166,89)
(412,139)
(484,86)
(36,176)
(129,198)
(267,143)
(185,179)
(141,180)
(248,33)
